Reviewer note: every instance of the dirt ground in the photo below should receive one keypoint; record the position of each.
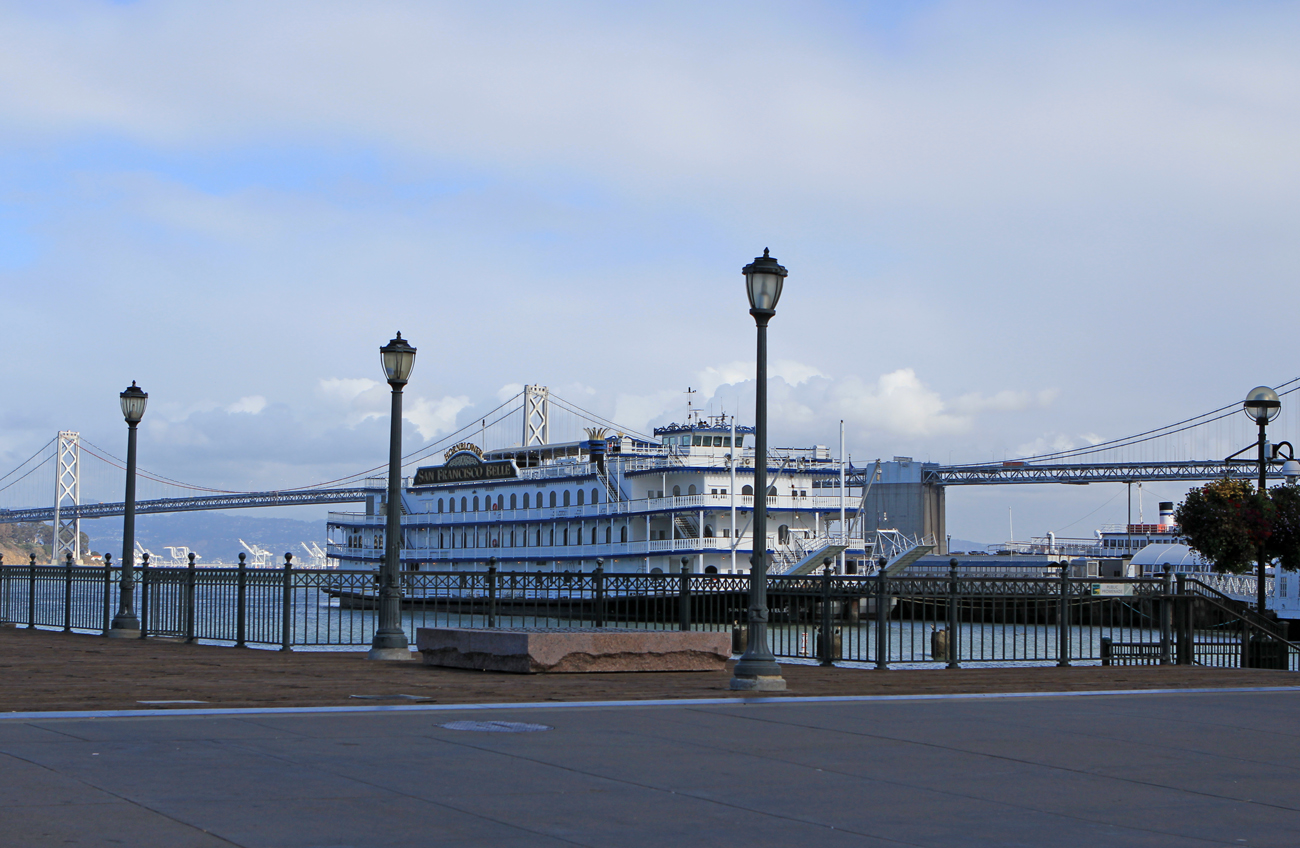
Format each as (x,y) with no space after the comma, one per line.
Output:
(46,670)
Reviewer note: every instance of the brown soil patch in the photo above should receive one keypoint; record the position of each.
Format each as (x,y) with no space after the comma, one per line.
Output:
(46,670)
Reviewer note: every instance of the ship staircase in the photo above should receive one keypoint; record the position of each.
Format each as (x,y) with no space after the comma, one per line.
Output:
(685,526)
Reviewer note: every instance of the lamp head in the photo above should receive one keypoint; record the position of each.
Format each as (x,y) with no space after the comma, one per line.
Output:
(764,278)
(134,400)
(1262,405)
(398,358)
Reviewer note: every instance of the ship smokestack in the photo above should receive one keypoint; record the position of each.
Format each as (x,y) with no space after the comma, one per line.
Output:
(1166,513)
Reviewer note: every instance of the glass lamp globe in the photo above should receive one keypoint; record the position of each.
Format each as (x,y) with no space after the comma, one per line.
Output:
(398,358)
(134,400)
(1262,405)
(764,278)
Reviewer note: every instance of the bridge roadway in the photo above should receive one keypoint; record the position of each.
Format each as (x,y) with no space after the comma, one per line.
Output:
(997,473)
(235,501)
(941,475)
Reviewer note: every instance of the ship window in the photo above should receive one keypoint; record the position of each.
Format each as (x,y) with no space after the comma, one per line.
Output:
(710,569)
(463,504)
(747,490)
(566,536)
(726,441)
(771,490)
(582,496)
(783,534)
(740,441)
(439,504)
(717,441)
(525,500)
(595,496)
(593,535)
(512,500)
(691,489)
(677,491)
(609,535)
(708,532)
(441,541)
(566,497)
(726,532)
(622,533)
(696,439)
(552,537)
(656,570)
(552,498)
(476,503)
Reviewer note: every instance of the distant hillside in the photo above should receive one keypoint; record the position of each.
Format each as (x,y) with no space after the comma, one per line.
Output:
(19,541)
(214,535)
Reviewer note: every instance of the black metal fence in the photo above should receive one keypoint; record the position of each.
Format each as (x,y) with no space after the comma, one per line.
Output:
(878,620)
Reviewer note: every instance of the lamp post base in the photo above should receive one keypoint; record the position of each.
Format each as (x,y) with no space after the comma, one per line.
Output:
(762,683)
(390,654)
(123,633)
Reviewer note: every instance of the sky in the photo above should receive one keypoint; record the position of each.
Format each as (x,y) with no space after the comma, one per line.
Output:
(1009,227)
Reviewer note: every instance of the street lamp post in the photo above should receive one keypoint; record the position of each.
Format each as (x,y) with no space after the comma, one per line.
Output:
(1261,406)
(126,625)
(757,668)
(390,642)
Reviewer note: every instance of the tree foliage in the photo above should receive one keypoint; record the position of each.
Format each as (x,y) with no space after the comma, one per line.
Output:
(1229,521)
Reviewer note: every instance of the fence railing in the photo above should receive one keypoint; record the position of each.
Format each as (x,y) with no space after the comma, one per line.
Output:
(950,620)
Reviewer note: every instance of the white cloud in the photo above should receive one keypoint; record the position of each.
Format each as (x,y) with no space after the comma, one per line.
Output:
(252,404)
(434,417)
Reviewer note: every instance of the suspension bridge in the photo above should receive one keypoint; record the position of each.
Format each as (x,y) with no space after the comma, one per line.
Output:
(84,478)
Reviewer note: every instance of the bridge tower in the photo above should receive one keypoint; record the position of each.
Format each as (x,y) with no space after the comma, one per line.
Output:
(67,492)
(537,413)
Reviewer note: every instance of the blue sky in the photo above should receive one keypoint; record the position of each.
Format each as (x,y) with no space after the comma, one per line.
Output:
(1009,226)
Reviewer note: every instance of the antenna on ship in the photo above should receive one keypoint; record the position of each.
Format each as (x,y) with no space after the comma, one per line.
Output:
(689,411)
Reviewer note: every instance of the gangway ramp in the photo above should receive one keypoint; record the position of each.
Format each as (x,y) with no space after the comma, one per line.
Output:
(817,557)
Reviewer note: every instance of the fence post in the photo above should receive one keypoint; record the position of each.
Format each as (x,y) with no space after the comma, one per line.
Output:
(599,577)
(108,590)
(684,597)
(882,620)
(1166,616)
(191,593)
(241,595)
(4,590)
(492,592)
(827,637)
(1063,617)
(31,592)
(286,604)
(954,642)
(67,592)
(144,595)
(1182,623)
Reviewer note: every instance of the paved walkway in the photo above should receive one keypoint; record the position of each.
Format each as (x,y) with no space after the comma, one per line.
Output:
(1092,770)
(45,670)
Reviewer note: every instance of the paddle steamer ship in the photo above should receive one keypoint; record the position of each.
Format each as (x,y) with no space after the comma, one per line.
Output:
(682,500)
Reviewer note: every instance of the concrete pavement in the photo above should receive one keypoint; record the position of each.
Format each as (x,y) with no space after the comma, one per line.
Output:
(1218,768)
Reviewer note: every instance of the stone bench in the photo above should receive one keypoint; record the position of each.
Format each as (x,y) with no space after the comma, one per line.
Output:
(572,649)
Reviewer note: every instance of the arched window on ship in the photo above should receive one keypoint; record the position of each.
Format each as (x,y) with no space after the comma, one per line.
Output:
(595,496)
(622,533)
(582,496)
(691,490)
(552,500)
(525,500)
(677,491)
(747,490)
(439,504)
(512,502)
(566,497)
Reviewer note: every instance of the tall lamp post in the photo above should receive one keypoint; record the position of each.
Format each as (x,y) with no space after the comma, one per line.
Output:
(1262,406)
(757,668)
(126,625)
(390,642)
